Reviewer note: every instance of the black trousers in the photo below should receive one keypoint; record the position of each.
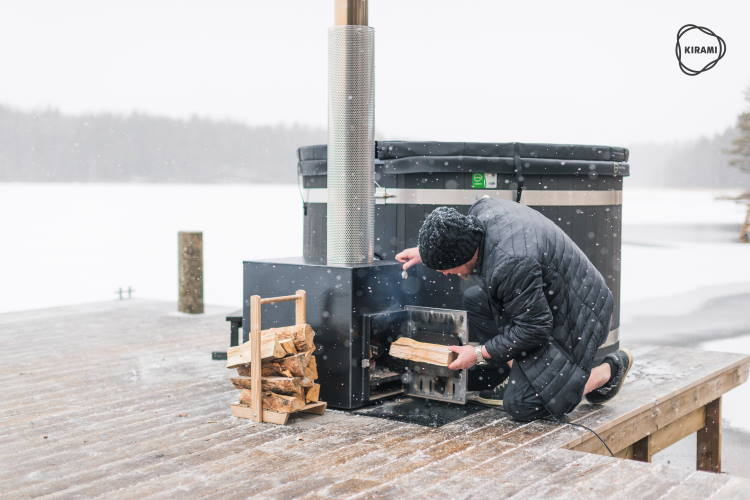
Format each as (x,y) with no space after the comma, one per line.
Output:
(520,399)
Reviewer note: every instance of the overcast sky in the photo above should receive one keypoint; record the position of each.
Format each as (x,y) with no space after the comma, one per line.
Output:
(574,71)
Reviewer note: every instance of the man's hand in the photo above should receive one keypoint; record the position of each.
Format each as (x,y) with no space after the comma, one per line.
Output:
(409,257)
(467,357)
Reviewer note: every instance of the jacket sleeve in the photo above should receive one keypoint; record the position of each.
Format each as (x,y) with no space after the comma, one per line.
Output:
(520,292)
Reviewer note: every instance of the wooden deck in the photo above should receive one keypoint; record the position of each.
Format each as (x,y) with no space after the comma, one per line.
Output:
(122,399)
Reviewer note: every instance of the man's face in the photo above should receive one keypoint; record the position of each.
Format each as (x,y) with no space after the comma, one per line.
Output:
(463,270)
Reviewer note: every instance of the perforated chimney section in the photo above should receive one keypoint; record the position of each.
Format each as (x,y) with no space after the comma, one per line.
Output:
(351,146)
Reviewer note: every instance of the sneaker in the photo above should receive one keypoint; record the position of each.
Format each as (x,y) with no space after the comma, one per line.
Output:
(492,397)
(621,362)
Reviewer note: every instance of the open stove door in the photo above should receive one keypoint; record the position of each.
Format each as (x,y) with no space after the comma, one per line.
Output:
(425,324)
(437,326)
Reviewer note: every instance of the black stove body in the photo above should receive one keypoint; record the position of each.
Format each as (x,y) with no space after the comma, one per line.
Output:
(356,311)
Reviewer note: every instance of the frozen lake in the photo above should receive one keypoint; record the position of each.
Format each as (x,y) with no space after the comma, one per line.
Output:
(74,243)
(685,280)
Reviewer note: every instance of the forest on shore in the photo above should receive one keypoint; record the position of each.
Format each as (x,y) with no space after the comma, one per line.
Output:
(50,146)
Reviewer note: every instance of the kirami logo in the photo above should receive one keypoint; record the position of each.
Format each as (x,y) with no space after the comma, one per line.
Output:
(698,49)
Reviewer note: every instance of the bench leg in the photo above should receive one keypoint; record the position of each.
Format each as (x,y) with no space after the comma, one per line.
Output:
(709,439)
(234,335)
(642,449)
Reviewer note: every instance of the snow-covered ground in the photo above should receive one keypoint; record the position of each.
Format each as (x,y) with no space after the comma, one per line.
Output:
(75,243)
(685,279)
(680,241)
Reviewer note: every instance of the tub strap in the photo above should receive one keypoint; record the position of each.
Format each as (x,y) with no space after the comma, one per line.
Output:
(517,170)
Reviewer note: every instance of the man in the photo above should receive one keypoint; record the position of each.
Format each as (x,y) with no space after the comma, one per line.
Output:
(540,306)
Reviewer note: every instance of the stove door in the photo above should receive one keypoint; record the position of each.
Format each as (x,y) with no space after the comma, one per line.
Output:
(437,326)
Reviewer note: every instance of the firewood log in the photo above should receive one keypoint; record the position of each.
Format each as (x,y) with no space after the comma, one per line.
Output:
(275,402)
(311,370)
(301,335)
(269,348)
(422,352)
(275,343)
(312,394)
(304,338)
(288,346)
(290,366)
(294,386)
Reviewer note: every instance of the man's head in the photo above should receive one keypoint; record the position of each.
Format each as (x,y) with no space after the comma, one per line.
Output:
(449,241)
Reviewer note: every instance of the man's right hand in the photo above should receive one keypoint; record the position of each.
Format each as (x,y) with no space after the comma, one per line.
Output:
(409,257)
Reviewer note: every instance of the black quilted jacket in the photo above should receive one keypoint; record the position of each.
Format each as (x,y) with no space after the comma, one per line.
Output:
(553,307)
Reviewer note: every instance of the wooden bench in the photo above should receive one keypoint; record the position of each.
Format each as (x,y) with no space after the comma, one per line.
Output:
(671,394)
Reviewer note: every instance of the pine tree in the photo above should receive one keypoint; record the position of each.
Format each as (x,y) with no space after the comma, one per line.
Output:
(740,149)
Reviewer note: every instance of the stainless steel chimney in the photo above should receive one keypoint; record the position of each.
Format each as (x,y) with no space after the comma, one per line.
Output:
(351,128)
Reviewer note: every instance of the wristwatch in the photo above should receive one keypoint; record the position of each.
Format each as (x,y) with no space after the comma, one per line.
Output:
(480,358)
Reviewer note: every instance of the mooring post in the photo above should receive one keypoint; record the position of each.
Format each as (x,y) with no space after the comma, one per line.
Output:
(190,271)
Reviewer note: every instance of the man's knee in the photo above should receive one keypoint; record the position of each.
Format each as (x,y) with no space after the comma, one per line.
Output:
(520,400)
(524,411)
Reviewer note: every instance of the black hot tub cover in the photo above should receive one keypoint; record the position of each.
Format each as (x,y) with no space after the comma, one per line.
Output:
(507,157)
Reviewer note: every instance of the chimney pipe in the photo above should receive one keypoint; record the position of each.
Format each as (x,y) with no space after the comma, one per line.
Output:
(351,141)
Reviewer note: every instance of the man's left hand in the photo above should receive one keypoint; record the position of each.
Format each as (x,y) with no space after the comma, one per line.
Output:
(467,357)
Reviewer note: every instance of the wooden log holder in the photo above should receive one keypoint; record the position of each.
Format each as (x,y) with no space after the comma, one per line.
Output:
(280,364)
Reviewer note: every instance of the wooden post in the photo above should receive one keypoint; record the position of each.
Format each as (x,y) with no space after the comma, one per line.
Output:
(709,439)
(255,368)
(190,271)
(745,229)
(300,308)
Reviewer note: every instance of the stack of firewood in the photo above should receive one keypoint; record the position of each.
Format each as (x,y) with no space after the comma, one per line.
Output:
(288,369)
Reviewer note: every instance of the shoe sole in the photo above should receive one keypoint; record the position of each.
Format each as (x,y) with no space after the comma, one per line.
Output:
(497,403)
(631,360)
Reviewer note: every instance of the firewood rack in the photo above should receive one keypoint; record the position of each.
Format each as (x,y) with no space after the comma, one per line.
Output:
(255,411)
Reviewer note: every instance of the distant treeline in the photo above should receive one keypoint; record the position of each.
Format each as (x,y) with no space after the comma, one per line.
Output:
(698,163)
(50,146)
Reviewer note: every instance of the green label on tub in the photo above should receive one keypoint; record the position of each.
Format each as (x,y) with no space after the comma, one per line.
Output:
(477,181)
(484,180)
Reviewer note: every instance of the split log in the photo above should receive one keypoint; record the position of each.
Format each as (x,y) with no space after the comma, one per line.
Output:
(275,343)
(288,346)
(311,370)
(304,337)
(290,366)
(270,348)
(274,402)
(301,335)
(312,394)
(422,352)
(292,386)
